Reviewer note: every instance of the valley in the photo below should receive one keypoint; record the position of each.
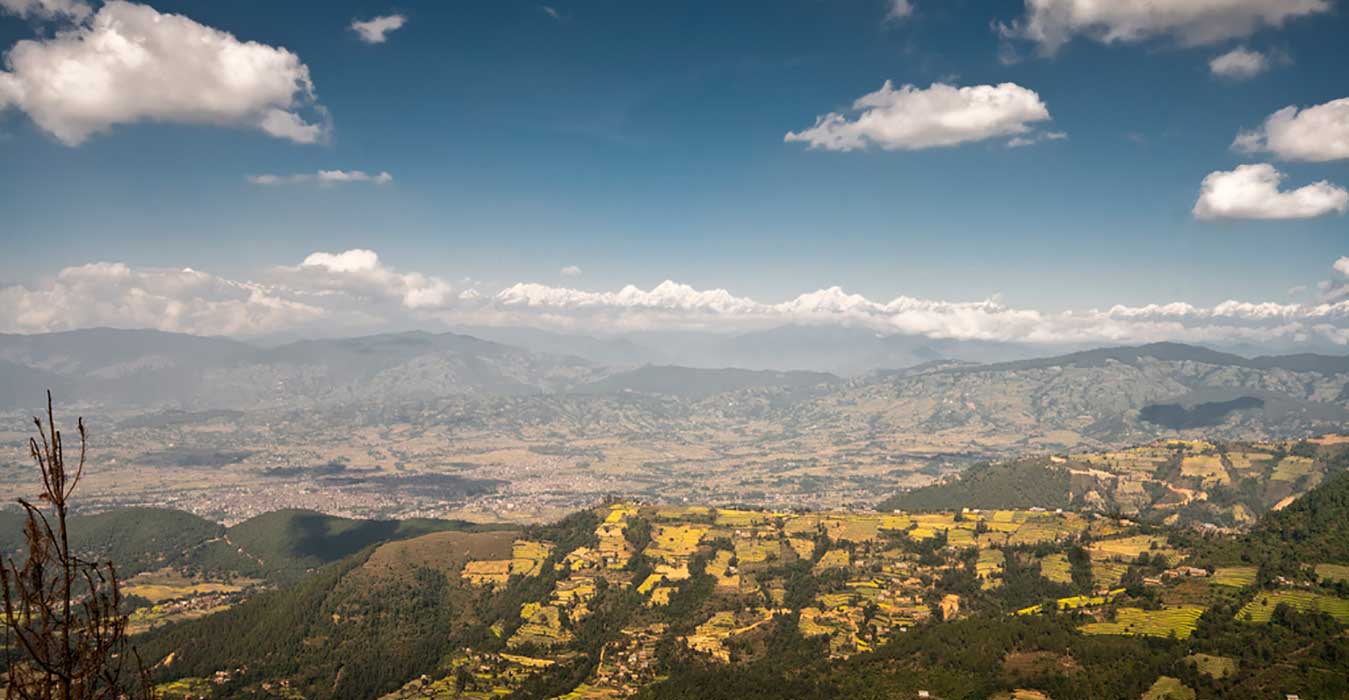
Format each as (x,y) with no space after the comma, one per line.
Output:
(451,426)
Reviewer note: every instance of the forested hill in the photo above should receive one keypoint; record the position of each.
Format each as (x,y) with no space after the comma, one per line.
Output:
(1314,528)
(278,547)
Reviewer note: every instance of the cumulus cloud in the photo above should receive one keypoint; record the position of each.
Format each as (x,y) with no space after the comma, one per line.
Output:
(354,291)
(1239,63)
(130,63)
(376,30)
(1342,266)
(1252,192)
(1319,133)
(322,177)
(113,294)
(360,275)
(1052,23)
(912,118)
(571,271)
(46,9)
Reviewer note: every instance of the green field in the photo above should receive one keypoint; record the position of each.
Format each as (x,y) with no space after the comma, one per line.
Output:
(1262,608)
(1149,623)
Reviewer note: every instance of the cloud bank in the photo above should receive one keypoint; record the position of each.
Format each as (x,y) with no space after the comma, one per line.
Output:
(1052,23)
(354,291)
(912,118)
(1252,192)
(129,63)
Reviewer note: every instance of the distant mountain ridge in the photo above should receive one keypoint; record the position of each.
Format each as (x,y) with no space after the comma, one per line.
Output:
(1176,352)
(1107,395)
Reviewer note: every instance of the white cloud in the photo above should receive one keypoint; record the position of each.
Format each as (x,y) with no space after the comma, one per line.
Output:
(1318,133)
(360,275)
(129,63)
(1342,266)
(1053,23)
(113,294)
(322,177)
(1252,192)
(46,9)
(1032,139)
(376,30)
(551,12)
(1239,63)
(899,9)
(911,118)
(571,271)
(354,291)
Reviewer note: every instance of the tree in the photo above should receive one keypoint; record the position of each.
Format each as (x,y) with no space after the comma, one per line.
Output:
(65,632)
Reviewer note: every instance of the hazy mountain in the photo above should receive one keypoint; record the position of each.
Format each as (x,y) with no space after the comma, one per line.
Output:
(1101,396)
(151,368)
(836,349)
(696,383)
(614,352)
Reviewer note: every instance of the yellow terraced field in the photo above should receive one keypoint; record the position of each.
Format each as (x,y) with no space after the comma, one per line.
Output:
(1128,548)
(1179,621)
(1207,468)
(1107,573)
(1261,609)
(1234,576)
(675,540)
(1291,468)
(1334,572)
(989,567)
(833,559)
(1055,567)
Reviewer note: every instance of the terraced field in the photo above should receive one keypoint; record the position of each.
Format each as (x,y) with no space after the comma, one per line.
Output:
(1213,666)
(1261,609)
(1291,468)
(1334,572)
(1056,568)
(1178,621)
(1234,576)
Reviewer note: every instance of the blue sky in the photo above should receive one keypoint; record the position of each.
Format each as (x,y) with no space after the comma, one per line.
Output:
(645,142)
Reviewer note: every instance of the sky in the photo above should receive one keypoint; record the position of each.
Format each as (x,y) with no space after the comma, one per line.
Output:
(1034,170)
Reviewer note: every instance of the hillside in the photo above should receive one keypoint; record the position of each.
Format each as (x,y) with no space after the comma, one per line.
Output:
(1228,484)
(284,545)
(686,602)
(276,547)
